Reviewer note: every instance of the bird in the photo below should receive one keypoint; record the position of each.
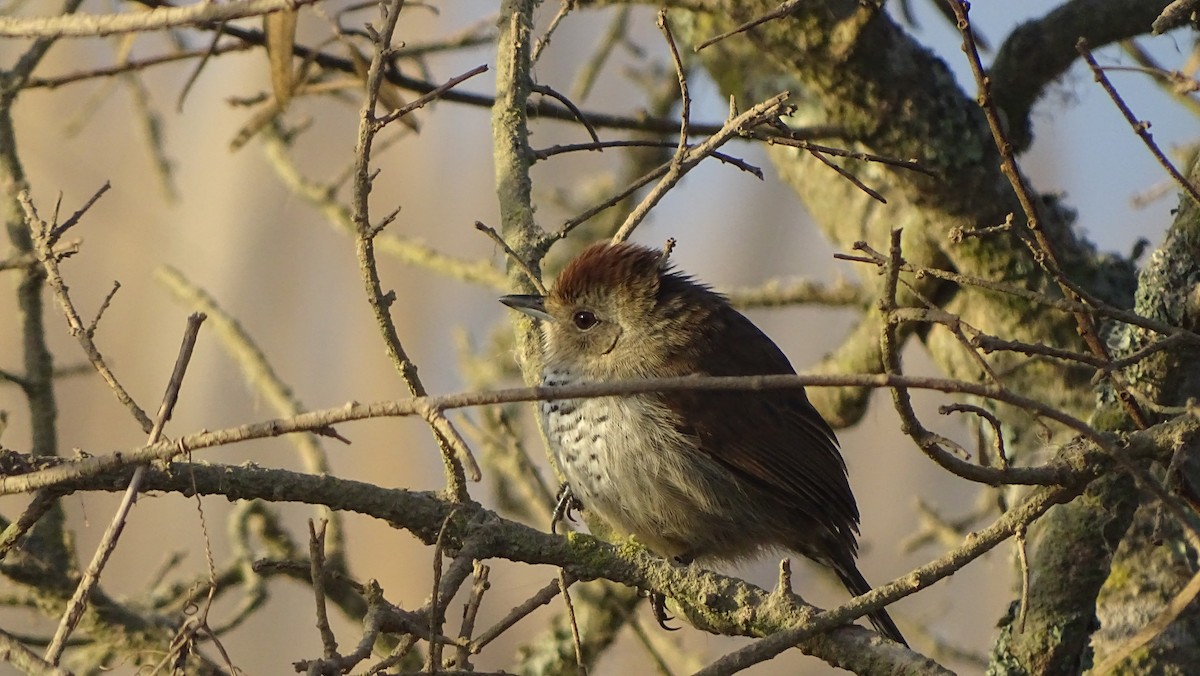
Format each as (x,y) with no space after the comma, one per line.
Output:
(705,476)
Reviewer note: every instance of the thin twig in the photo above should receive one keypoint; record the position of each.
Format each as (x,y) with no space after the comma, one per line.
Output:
(578,220)
(454,444)
(432,95)
(547,153)
(43,501)
(316,557)
(677,167)
(754,116)
(781,11)
(992,420)
(541,110)
(13,651)
(56,81)
(108,543)
(266,383)
(1034,235)
(402,649)
(873,194)
(1023,558)
(198,623)
(513,256)
(1063,304)
(437,611)
(206,54)
(454,451)
(785,136)
(1179,85)
(563,583)
(542,597)
(91,329)
(1132,358)
(44,248)
(989,344)
(1141,128)
(933,445)
(59,230)
(958,234)
(564,8)
(479,587)
(306,422)
(21,261)
(547,90)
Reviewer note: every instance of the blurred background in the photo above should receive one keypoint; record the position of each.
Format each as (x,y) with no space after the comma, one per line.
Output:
(274,262)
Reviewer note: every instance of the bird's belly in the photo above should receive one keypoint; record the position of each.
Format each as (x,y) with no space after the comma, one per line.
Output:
(627,463)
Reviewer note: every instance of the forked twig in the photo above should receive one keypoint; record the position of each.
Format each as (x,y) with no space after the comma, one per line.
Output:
(108,543)
(1034,235)
(43,242)
(540,598)
(756,115)
(454,451)
(316,558)
(470,612)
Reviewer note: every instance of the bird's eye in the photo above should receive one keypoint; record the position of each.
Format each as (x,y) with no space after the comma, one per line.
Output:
(584,320)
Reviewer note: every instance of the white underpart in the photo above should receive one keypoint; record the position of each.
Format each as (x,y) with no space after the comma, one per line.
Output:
(629,442)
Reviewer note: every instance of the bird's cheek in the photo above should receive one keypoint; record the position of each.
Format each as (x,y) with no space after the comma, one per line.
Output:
(616,336)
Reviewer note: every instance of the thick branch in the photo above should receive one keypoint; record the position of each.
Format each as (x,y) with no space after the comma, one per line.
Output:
(584,557)
(1038,52)
(513,158)
(160,18)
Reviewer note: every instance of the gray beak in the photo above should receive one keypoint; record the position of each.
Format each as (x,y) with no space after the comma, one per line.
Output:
(532,305)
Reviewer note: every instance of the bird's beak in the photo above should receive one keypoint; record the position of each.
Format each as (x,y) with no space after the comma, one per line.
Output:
(532,305)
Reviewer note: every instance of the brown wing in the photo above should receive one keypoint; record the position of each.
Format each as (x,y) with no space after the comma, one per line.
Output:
(774,439)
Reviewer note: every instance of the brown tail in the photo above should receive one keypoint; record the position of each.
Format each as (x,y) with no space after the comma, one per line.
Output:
(858,586)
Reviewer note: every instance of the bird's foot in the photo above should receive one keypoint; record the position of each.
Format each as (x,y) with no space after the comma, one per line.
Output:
(658,603)
(566,506)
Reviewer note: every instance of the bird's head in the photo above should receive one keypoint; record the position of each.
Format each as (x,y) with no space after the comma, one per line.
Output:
(619,311)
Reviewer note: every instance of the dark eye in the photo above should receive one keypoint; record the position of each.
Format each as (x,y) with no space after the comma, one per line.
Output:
(584,320)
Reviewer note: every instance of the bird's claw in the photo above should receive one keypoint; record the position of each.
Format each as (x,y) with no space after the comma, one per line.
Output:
(566,506)
(658,603)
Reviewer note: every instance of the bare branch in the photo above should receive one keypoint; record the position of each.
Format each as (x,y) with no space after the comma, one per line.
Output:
(108,543)
(159,18)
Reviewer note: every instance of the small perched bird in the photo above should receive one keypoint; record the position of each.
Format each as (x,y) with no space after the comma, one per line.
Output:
(710,476)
